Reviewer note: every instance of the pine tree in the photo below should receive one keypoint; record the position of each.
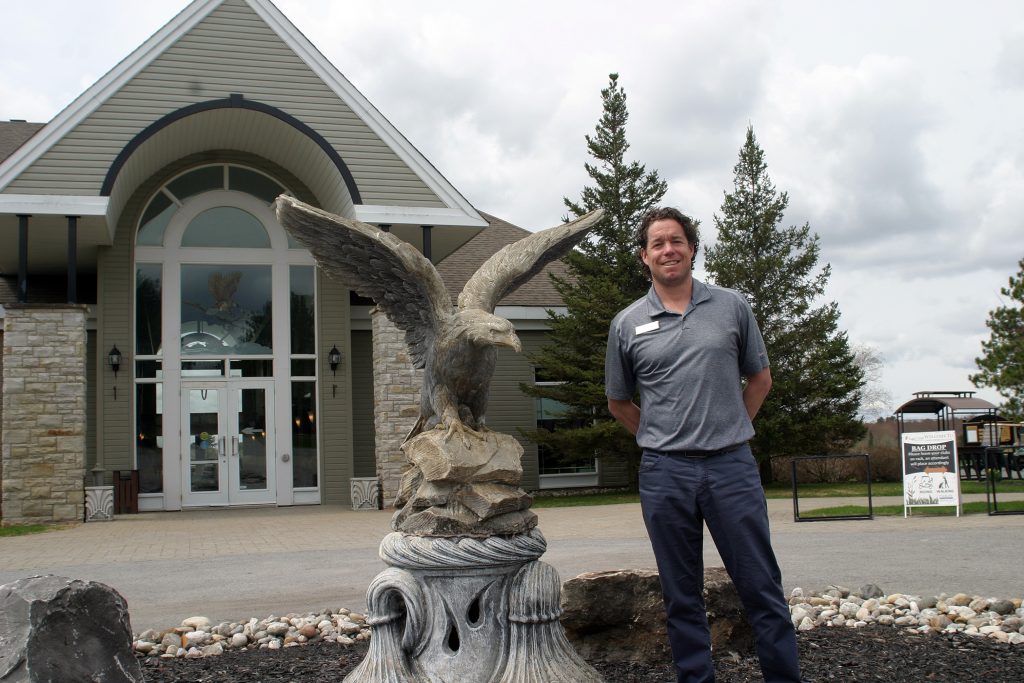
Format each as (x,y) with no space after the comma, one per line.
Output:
(812,408)
(1001,364)
(605,276)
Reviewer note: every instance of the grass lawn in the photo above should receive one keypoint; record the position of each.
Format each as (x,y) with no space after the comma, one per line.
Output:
(978,508)
(785,490)
(24,529)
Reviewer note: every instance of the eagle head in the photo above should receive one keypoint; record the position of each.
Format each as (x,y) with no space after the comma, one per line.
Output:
(486,329)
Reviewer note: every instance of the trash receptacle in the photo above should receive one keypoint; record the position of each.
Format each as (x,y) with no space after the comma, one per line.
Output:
(126,492)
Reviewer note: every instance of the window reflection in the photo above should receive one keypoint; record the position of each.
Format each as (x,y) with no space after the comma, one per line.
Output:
(226,309)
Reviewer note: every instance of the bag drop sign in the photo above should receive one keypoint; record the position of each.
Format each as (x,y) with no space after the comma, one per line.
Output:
(931,474)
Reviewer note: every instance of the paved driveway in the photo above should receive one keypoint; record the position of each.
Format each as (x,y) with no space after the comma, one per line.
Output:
(234,564)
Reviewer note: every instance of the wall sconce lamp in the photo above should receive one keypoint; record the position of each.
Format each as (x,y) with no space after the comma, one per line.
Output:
(114,361)
(334,359)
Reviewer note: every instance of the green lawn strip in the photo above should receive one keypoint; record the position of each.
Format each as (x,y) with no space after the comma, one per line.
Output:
(24,529)
(593,499)
(893,510)
(785,491)
(881,488)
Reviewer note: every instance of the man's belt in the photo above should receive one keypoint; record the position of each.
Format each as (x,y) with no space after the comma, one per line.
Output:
(697,454)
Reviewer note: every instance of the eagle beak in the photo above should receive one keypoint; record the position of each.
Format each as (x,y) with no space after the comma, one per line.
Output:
(511,340)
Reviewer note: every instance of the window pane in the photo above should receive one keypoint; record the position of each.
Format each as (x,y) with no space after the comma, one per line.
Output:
(154,221)
(251,182)
(226,310)
(304,468)
(263,367)
(252,440)
(303,321)
(226,226)
(149,444)
(147,309)
(190,369)
(148,369)
(199,180)
(303,367)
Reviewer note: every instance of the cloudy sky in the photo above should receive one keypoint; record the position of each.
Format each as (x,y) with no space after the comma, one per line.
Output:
(895,127)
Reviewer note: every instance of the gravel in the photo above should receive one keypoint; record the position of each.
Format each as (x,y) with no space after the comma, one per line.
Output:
(849,655)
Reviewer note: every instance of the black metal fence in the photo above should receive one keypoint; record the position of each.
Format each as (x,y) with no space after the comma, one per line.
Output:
(822,518)
(1000,459)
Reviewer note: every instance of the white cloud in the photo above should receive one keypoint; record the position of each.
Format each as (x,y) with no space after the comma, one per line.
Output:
(892,126)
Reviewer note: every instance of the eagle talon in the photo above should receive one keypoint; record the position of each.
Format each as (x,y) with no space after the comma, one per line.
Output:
(464,433)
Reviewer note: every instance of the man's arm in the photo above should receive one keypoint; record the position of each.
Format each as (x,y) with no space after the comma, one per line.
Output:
(626,412)
(754,393)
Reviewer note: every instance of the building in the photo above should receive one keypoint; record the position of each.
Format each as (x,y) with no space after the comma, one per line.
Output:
(156,318)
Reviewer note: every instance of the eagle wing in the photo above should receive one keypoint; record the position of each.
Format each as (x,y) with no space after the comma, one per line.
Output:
(516,263)
(377,265)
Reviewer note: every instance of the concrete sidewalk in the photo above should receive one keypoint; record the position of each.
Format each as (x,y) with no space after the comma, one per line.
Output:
(237,563)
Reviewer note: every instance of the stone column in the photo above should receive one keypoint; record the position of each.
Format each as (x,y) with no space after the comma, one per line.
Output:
(396,402)
(44,424)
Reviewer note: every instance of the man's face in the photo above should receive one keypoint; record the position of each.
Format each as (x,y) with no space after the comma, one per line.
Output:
(668,253)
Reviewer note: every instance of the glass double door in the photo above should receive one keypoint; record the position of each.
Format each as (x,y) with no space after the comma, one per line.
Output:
(228,443)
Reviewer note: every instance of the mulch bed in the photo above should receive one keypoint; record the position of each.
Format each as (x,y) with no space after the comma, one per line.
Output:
(827,654)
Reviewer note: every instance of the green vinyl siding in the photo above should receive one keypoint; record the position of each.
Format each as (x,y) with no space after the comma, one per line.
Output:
(335,419)
(231,51)
(511,411)
(90,400)
(363,438)
(115,283)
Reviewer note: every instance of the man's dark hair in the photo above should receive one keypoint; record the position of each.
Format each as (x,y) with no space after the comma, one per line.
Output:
(659,213)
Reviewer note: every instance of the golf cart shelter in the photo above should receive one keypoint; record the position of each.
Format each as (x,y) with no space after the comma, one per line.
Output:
(984,438)
(158,322)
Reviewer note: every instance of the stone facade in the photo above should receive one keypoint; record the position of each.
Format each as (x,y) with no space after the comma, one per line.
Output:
(396,402)
(44,414)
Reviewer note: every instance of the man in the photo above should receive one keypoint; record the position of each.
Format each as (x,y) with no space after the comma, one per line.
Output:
(684,347)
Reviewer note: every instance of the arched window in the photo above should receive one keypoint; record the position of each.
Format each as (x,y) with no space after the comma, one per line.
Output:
(223,296)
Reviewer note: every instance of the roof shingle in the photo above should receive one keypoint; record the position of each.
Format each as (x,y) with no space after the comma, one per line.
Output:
(459,266)
(14,134)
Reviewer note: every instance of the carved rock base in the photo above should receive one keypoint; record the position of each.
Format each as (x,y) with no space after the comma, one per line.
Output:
(450,610)
(463,485)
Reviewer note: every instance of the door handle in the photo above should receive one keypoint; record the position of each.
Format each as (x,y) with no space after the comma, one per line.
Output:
(234,446)
(222,444)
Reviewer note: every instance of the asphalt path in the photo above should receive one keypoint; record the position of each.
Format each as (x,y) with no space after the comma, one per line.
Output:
(234,564)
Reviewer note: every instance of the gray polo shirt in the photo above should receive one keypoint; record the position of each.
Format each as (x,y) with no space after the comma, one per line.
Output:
(687,368)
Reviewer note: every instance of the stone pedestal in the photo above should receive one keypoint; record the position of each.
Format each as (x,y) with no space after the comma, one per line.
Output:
(449,610)
(99,503)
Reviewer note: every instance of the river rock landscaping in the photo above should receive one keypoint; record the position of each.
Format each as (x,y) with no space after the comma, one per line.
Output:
(843,635)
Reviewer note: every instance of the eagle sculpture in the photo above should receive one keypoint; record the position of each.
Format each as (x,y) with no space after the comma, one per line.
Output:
(455,346)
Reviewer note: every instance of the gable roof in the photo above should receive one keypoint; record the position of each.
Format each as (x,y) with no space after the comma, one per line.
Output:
(451,209)
(459,266)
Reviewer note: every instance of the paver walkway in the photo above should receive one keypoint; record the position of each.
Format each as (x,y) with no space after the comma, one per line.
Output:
(237,563)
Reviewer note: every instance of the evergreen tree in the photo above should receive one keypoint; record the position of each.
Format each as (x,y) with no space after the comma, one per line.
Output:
(1001,364)
(812,407)
(605,276)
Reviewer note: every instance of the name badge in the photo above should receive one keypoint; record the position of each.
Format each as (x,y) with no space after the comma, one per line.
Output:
(649,327)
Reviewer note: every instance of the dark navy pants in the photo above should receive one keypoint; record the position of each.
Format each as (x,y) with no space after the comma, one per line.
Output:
(679,494)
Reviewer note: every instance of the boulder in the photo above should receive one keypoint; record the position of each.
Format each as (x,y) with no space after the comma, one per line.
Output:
(619,615)
(58,629)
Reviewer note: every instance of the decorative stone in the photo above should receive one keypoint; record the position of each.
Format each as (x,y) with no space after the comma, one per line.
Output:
(365,493)
(58,629)
(198,623)
(99,503)
(871,591)
(1001,606)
